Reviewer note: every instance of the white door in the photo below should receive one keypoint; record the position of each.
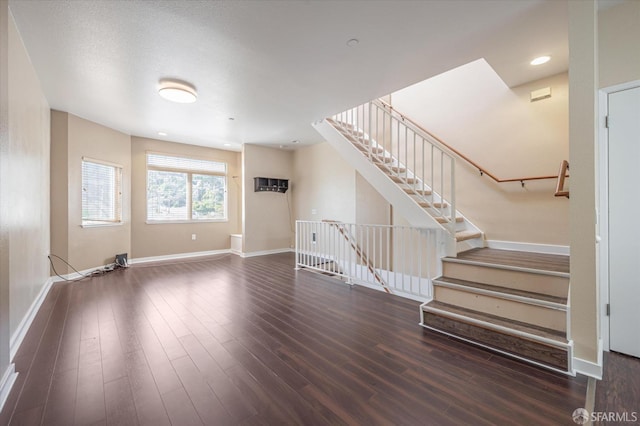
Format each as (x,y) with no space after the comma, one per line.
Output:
(624,221)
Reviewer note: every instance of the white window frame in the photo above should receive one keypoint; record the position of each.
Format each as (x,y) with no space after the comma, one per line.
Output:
(189,174)
(117,200)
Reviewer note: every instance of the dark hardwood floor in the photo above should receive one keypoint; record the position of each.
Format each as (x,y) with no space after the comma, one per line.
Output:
(228,340)
(619,390)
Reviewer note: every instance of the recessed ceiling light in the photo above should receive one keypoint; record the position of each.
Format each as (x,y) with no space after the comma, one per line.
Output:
(353,42)
(177,91)
(227,144)
(540,60)
(162,134)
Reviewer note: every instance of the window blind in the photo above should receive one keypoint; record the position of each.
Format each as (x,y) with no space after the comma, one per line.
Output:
(101,193)
(185,164)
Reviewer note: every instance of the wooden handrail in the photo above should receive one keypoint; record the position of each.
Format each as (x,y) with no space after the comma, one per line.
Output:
(359,253)
(560,192)
(481,169)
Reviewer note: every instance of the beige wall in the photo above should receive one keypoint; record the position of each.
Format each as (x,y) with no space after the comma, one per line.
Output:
(371,207)
(59,206)
(166,239)
(86,247)
(471,109)
(324,183)
(582,134)
(619,33)
(24,183)
(5,277)
(268,220)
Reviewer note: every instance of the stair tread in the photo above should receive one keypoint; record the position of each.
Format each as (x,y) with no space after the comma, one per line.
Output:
(426,205)
(442,219)
(394,168)
(467,235)
(398,179)
(365,148)
(505,290)
(412,191)
(517,259)
(546,333)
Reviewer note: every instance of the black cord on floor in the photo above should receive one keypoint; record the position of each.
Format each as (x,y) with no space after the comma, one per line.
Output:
(94,273)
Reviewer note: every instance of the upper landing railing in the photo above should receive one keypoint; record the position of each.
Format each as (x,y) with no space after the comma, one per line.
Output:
(482,170)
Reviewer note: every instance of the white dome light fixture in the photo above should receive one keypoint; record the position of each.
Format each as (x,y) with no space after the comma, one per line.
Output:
(177,91)
(540,60)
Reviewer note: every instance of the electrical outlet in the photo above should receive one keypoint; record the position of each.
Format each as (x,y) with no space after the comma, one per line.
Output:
(193,237)
(314,211)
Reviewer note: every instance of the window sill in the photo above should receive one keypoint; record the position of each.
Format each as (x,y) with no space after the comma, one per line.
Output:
(101,225)
(165,222)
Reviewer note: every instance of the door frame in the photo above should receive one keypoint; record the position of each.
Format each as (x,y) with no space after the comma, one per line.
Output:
(602,216)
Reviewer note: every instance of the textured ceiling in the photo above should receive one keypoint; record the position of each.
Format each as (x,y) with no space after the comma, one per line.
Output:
(274,66)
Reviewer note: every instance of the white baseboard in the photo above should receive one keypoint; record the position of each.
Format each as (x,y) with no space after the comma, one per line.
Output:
(532,247)
(75,276)
(23,327)
(178,256)
(265,252)
(6,383)
(590,368)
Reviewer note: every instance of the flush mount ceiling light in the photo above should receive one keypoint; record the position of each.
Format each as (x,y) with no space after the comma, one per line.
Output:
(540,60)
(177,91)
(162,134)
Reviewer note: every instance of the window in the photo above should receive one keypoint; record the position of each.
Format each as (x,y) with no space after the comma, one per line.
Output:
(183,189)
(101,193)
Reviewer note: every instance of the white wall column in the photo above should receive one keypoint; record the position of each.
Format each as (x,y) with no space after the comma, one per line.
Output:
(583,113)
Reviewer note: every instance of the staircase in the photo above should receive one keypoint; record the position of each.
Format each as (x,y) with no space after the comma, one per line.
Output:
(512,302)
(409,169)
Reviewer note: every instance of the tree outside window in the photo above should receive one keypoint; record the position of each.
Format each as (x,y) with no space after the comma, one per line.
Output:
(183,189)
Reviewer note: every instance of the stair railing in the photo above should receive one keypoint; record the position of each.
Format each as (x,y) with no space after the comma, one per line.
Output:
(562,174)
(360,254)
(407,154)
(402,260)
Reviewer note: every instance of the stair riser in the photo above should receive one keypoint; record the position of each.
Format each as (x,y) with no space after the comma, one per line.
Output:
(514,310)
(528,349)
(520,280)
